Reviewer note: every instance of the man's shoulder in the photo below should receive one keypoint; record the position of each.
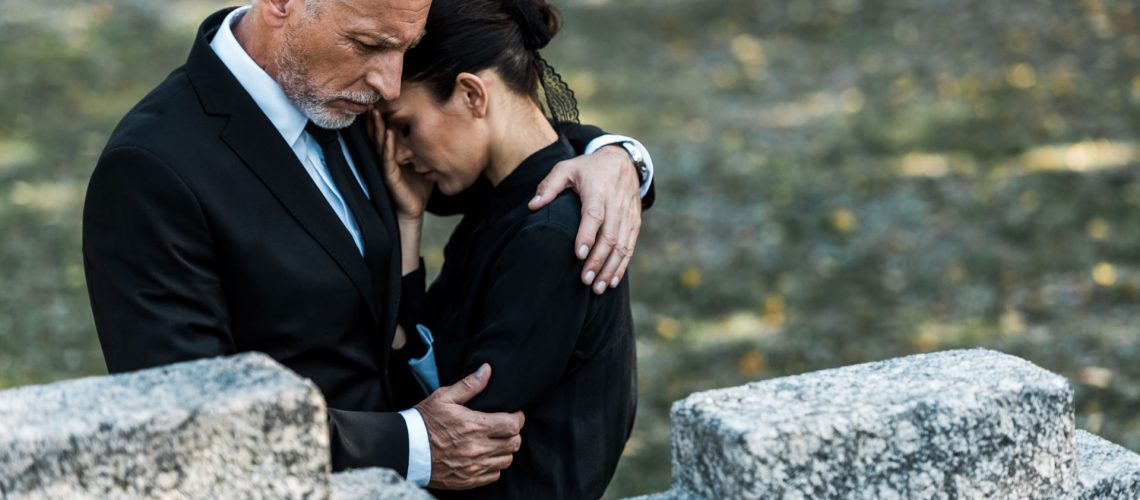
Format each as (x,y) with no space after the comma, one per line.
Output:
(163,121)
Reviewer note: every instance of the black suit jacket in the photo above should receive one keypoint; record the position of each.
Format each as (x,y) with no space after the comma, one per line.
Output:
(203,236)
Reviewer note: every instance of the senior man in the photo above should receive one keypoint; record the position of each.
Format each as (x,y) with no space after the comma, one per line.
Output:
(213,226)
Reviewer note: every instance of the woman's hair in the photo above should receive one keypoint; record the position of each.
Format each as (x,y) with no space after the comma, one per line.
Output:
(468,36)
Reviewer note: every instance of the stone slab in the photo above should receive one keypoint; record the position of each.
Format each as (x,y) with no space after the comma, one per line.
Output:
(1107,470)
(955,424)
(375,484)
(238,427)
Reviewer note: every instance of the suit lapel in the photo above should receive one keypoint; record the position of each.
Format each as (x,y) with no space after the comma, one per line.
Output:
(263,150)
(365,157)
(254,139)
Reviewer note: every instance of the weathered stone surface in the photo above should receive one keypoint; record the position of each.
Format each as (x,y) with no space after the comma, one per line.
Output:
(374,484)
(239,427)
(1107,470)
(957,424)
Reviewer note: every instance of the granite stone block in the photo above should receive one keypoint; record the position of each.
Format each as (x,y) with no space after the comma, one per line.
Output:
(375,484)
(955,424)
(1106,470)
(238,427)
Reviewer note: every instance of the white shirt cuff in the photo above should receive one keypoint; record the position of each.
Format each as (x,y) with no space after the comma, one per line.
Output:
(419,449)
(608,139)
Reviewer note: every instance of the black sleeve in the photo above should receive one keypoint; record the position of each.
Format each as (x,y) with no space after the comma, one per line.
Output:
(151,269)
(441,204)
(579,135)
(361,439)
(534,310)
(406,390)
(413,293)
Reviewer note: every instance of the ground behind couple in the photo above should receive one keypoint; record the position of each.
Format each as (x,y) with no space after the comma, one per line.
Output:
(847,181)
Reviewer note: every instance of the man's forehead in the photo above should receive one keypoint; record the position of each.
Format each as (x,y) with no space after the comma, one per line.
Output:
(405,14)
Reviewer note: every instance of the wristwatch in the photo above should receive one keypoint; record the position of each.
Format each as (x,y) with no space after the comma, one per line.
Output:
(638,160)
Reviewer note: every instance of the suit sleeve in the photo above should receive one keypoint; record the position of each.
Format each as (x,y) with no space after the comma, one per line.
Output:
(444,205)
(534,310)
(152,274)
(579,135)
(361,439)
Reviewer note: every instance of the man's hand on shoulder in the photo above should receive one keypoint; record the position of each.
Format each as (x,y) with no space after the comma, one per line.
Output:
(610,190)
(468,448)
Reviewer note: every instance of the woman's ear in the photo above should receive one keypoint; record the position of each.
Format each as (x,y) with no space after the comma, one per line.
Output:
(472,93)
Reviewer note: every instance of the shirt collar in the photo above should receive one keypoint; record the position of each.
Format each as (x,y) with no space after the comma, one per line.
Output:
(520,185)
(265,91)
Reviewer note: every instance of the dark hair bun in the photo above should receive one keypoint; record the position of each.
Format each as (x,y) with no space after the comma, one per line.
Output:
(538,21)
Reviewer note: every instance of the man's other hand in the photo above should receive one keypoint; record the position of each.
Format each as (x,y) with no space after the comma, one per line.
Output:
(468,448)
(611,211)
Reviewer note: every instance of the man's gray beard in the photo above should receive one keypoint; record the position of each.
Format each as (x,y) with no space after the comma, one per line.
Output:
(294,80)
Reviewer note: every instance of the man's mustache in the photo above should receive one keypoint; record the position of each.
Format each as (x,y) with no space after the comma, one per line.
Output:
(362,97)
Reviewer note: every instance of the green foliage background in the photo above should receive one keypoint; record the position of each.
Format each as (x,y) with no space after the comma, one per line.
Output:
(839,181)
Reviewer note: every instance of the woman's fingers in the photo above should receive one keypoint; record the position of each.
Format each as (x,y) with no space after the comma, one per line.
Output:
(390,151)
(377,128)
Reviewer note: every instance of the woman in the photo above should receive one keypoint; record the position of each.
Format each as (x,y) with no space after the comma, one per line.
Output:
(469,122)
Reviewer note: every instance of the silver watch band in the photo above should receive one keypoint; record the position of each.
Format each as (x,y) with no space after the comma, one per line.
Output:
(638,160)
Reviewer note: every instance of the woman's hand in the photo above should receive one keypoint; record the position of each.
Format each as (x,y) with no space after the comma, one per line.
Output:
(409,190)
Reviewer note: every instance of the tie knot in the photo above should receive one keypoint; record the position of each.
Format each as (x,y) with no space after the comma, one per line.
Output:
(322,135)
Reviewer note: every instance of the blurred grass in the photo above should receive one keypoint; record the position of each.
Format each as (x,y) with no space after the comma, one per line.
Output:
(840,181)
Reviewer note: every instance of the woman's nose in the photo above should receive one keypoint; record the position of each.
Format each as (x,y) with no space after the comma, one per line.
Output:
(403,153)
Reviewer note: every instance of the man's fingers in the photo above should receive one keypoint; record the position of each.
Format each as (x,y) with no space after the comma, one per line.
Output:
(504,425)
(557,181)
(613,262)
(621,250)
(471,385)
(593,214)
(500,463)
(606,241)
(620,275)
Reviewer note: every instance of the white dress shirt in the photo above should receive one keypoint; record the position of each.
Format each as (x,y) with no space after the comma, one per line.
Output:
(290,123)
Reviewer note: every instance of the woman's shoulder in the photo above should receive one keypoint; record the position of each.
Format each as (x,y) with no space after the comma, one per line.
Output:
(561,216)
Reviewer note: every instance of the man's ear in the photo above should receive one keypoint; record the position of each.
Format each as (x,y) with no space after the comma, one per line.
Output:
(275,13)
(472,92)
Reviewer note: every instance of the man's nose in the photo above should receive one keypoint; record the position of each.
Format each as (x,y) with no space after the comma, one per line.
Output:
(384,74)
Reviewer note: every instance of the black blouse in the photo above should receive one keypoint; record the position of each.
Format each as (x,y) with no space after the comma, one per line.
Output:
(509,294)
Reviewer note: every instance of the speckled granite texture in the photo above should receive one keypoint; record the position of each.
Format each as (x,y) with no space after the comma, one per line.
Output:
(955,424)
(240,427)
(1107,470)
(374,484)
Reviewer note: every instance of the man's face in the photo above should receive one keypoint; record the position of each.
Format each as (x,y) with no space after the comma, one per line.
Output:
(339,57)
